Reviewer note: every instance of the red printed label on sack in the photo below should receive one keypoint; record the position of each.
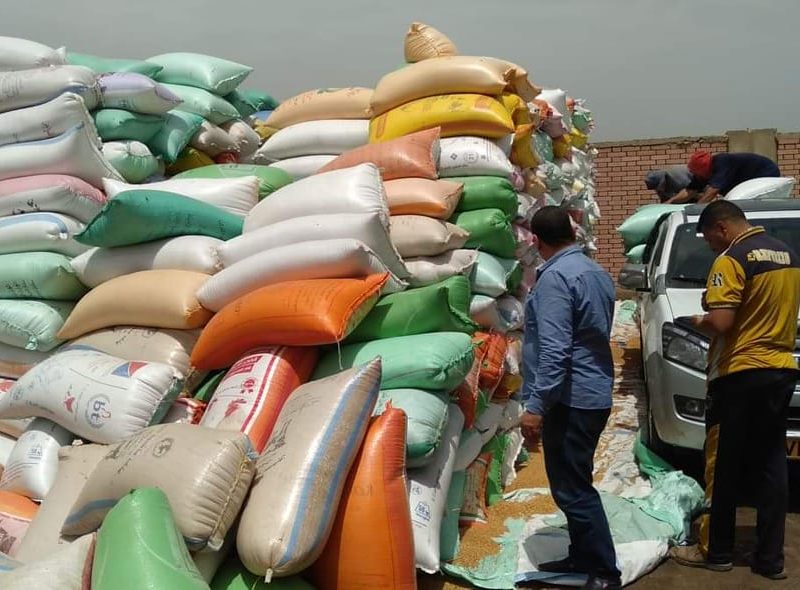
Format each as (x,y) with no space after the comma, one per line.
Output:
(12,529)
(241,393)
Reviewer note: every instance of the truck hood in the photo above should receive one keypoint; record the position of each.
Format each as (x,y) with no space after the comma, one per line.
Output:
(685,301)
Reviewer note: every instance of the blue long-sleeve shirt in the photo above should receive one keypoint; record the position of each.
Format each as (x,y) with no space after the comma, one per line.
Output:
(566,351)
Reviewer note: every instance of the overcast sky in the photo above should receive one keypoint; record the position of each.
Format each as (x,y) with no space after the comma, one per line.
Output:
(648,68)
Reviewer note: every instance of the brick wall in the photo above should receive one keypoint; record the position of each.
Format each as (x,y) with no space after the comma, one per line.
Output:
(621,168)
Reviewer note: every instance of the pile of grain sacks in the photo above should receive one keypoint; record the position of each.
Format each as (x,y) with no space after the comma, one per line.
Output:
(358,329)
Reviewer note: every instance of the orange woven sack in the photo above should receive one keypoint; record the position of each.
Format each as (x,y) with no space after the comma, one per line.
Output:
(495,347)
(372,543)
(467,393)
(413,155)
(293,313)
(420,196)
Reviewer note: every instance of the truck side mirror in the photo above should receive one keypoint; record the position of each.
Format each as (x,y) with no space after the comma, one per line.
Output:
(633,276)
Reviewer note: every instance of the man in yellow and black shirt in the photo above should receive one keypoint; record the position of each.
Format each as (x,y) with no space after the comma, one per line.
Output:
(752,298)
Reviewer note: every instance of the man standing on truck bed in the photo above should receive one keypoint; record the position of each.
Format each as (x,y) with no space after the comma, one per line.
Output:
(717,174)
(752,299)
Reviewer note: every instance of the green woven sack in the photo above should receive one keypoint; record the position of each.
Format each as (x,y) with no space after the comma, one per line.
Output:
(176,132)
(427,416)
(32,324)
(143,215)
(489,230)
(209,385)
(449,536)
(436,362)
(636,254)
(210,73)
(201,102)
(441,307)
(487,192)
(139,546)
(494,481)
(120,124)
(39,275)
(234,576)
(248,102)
(106,65)
(493,275)
(637,227)
(269,179)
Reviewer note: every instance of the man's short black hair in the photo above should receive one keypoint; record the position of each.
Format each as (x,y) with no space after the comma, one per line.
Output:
(552,225)
(717,211)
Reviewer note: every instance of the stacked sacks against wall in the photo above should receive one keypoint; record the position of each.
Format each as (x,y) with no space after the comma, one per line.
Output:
(567,170)
(307,131)
(316,265)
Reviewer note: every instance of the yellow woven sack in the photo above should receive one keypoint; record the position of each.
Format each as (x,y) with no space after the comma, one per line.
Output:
(455,114)
(521,149)
(190,158)
(578,138)
(562,147)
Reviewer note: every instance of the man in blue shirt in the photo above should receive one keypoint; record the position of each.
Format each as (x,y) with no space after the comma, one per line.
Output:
(668,182)
(568,377)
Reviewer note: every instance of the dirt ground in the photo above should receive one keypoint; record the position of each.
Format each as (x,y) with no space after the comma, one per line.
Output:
(668,576)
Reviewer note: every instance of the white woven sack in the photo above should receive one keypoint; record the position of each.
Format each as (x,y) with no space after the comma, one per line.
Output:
(74,153)
(472,156)
(428,488)
(213,140)
(315,138)
(21,54)
(367,228)
(26,88)
(235,195)
(33,464)
(428,270)
(46,120)
(97,396)
(322,259)
(40,232)
(244,137)
(351,190)
(197,253)
(300,167)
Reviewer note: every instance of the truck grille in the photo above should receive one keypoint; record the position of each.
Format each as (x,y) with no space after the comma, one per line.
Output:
(794,419)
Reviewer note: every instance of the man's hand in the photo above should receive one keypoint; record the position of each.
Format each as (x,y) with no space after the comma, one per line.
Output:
(698,320)
(531,427)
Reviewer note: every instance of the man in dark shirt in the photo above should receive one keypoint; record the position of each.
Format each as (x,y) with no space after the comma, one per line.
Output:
(717,174)
(668,182)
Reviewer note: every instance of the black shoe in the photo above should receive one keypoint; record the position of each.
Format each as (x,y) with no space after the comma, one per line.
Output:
(561,566)
(780,575)
(595,583)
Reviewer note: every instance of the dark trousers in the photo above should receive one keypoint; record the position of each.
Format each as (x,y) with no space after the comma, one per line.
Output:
(569,438)
(746,433)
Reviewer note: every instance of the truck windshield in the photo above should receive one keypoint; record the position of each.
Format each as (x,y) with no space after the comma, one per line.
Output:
(691,258)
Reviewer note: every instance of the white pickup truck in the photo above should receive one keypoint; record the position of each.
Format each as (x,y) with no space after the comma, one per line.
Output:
(670,283)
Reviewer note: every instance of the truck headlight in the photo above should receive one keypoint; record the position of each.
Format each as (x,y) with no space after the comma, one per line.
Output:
(684,347)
